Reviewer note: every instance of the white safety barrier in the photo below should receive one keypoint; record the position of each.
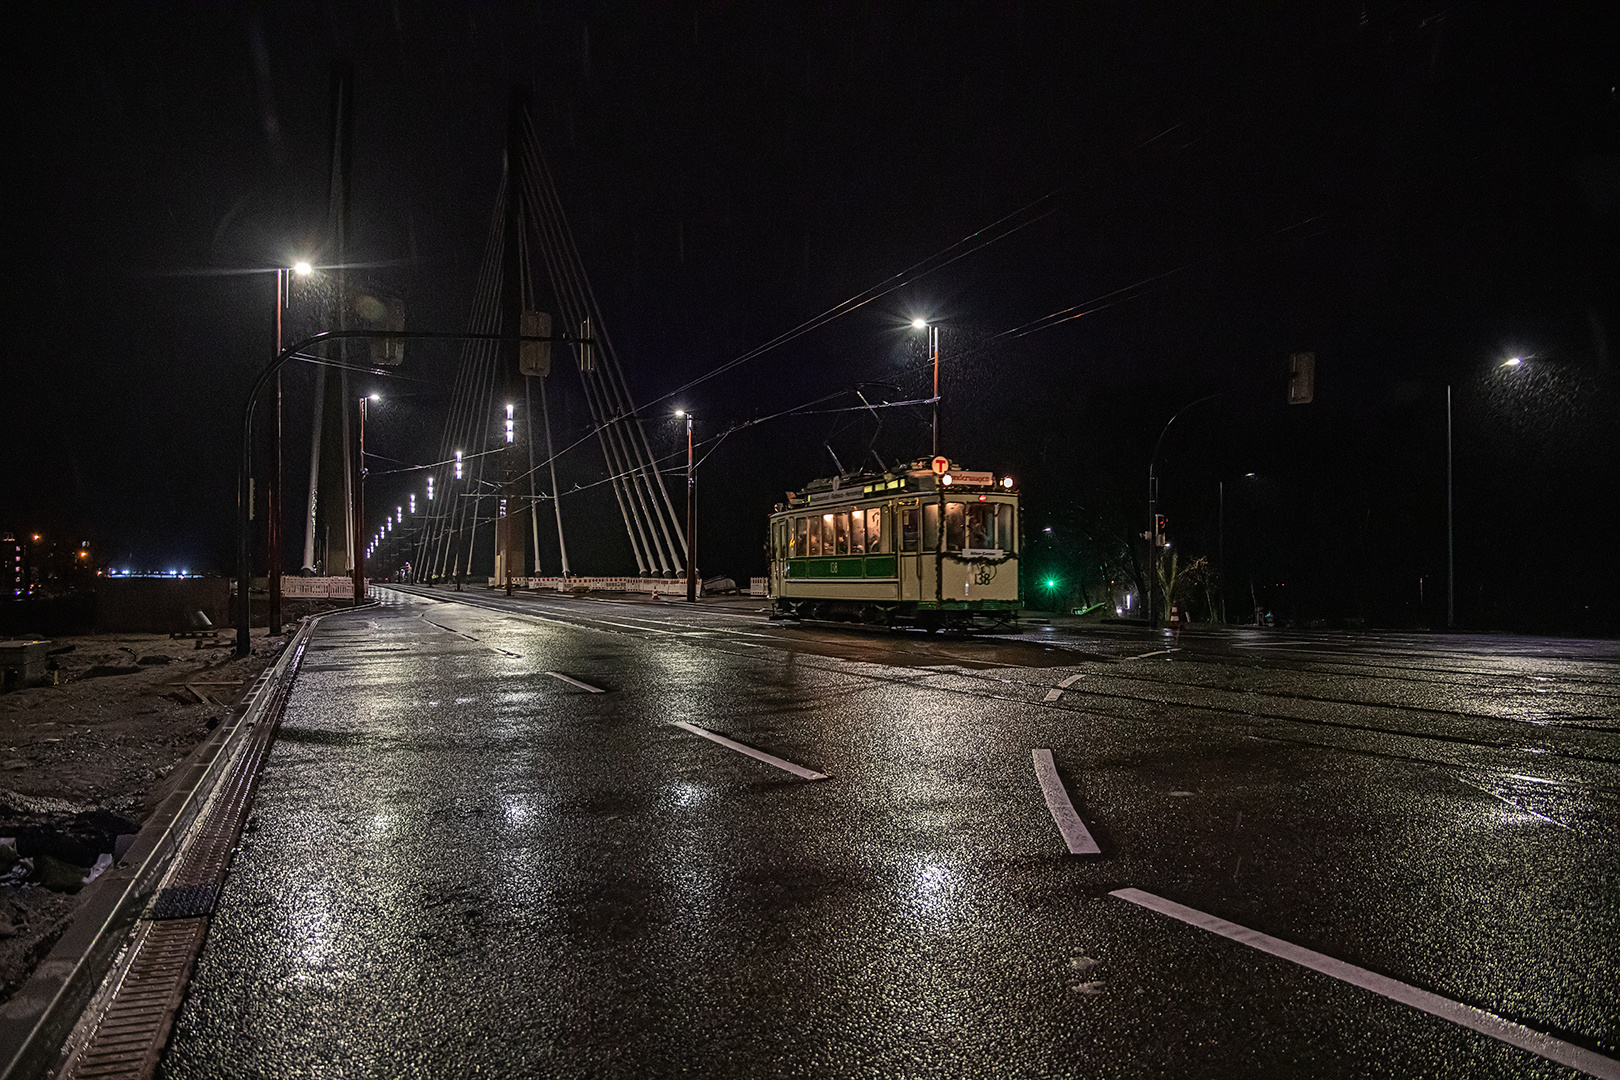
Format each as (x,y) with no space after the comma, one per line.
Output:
(759,586)
(336,588)
(660,586)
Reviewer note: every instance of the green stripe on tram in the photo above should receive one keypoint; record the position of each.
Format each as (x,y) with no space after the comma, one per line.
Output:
(842,566)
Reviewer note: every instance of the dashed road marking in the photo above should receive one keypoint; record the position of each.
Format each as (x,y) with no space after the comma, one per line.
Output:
(1075,833)
(1155,652)
(770,759)
(1466,1015)
(576,682)
(1054,694)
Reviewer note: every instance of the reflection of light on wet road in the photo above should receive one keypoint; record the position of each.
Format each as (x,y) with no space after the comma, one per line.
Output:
(517,810)
(684,794)
(934,889)
(311,938)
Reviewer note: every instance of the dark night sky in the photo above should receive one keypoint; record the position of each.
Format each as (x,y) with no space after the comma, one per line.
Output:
(1413,191)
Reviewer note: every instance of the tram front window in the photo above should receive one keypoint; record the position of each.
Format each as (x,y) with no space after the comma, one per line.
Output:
(908,529)
(930,531)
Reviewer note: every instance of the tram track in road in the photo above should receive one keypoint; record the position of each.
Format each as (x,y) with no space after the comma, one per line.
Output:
(1255,724)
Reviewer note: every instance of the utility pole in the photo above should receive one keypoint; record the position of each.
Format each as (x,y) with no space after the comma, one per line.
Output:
(933,347)
(275,475)
(691,519)
(359,510)
(509,546)
(1451,563)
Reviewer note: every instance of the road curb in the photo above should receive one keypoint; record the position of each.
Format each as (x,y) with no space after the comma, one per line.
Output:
(37,1020)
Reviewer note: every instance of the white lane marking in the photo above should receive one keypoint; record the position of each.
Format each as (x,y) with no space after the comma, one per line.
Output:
(1075,833)
(787,766)
(576,682)
(1155,652)
(1466,1015)
(1270,644)
(1053,695)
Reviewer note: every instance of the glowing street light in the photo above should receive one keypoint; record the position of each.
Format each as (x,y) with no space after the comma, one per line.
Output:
(511,425)
(458,464)
(430,489)
(413,502)
(303,269)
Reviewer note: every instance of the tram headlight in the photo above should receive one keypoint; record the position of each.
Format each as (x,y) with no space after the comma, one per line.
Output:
(1007,482)
(946,479)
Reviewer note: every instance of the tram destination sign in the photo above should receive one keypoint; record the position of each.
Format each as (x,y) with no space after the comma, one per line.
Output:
(973,479)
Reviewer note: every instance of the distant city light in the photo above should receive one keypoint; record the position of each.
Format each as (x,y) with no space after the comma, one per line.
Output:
(511,425)
(919,324)
(458,464)
(303,269)
(1513,361)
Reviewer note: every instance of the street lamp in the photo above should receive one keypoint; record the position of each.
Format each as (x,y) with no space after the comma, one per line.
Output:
(920,323)
(691,519)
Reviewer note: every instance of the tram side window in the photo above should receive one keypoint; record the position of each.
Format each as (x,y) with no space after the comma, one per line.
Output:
(800,540)
(875,540)
(841,531)
(815,536)
(908,529)
(930,530)
(857,532)
(828,543)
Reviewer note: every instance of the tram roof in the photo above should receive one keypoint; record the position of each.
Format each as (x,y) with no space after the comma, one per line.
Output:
(917,476)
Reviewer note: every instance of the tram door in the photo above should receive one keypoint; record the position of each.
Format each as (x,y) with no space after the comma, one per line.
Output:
(927,547)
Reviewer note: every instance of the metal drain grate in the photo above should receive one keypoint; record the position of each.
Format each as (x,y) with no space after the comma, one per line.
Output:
(139,1009)
(135,1027)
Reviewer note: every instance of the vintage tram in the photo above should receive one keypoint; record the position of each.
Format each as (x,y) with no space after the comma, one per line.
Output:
(928,545)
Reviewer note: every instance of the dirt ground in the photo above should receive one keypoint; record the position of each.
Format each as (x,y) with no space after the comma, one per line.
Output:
(84,761)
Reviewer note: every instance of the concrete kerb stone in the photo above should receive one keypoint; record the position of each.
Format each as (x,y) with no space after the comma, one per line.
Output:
(36,1021)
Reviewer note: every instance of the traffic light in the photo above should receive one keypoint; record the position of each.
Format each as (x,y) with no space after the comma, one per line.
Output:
(1161,526)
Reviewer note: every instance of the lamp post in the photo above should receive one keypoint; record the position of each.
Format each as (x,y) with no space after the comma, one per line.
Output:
(691,517)
(359,514)
(283,301)
(933,349)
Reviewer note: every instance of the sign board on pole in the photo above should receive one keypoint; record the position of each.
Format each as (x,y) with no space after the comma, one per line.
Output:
(534,357)
(940,465)
(1301,378)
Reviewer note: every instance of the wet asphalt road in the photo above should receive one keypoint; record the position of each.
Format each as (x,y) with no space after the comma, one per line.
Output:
(461,865)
